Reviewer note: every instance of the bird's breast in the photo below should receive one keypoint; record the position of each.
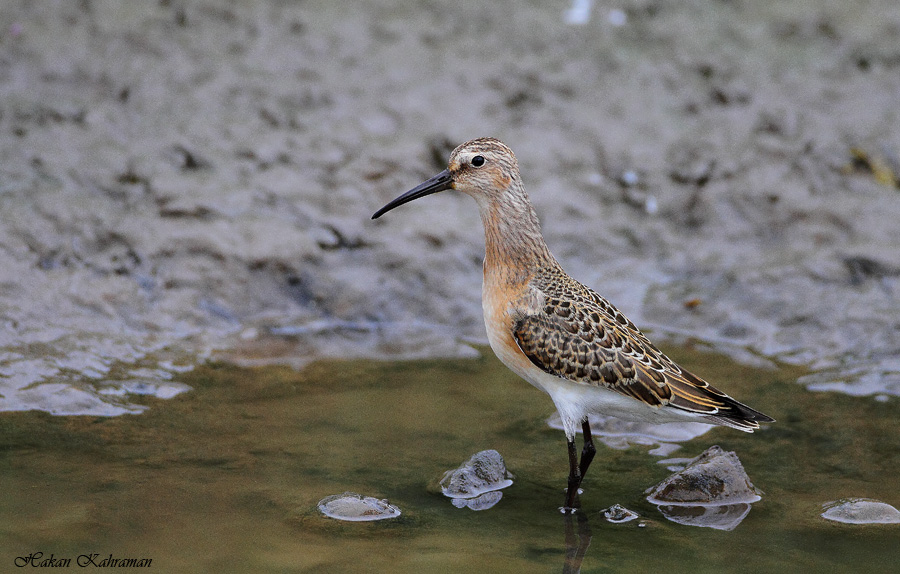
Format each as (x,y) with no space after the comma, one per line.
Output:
(499,304)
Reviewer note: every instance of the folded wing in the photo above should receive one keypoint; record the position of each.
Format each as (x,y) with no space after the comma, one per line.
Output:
(583,338)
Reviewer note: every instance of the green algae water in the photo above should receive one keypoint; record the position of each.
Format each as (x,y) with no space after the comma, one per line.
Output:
(226,478)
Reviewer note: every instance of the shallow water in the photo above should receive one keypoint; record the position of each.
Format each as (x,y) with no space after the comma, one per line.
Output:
(227,477)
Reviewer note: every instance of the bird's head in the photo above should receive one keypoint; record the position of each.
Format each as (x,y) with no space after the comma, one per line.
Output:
(484,168)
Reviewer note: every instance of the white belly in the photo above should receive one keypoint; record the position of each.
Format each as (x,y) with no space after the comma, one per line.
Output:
(575,401)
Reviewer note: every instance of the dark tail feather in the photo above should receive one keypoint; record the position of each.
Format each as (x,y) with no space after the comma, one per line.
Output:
(739,416)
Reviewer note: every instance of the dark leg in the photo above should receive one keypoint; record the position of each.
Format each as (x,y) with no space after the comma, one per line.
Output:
(588,452)
(574,477)
(576,470)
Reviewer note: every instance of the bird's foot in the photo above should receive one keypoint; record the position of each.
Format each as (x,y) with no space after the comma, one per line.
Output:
(572,501)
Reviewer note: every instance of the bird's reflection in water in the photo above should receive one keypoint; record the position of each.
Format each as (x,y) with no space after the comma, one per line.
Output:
(578,538)
(578,534)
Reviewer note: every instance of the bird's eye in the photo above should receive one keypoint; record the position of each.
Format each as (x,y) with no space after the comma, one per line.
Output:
(478,161)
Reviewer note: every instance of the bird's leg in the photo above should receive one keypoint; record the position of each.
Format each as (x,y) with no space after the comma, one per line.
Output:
(588,452)
(574,476)
(576,470)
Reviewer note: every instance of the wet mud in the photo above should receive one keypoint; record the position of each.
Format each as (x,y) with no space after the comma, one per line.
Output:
(186,179)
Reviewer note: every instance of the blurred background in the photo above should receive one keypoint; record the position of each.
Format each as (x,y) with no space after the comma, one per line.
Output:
(183,180)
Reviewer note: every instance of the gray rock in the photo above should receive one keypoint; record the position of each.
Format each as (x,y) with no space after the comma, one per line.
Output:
(484,472)
(714,478)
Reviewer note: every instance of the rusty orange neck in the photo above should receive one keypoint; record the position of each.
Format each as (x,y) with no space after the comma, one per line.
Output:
(514,245)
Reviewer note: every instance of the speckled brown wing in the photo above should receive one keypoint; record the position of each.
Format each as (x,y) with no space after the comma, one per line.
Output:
(578,335)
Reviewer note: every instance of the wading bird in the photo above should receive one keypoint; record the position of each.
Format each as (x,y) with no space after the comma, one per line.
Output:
(559,335)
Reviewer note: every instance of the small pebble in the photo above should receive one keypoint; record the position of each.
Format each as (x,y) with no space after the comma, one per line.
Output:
(618,514)
(579,13)
(617,17)
(629,178)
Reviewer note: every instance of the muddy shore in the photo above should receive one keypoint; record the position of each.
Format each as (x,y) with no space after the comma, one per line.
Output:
(180,180)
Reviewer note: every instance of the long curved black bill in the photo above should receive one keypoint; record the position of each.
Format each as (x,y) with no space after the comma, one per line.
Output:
(440,182)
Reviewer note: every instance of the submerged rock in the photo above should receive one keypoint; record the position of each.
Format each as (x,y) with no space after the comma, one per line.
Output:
(714,478)
(356,507)
(484,472)
(720,517)
(480,502)
(861,511)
